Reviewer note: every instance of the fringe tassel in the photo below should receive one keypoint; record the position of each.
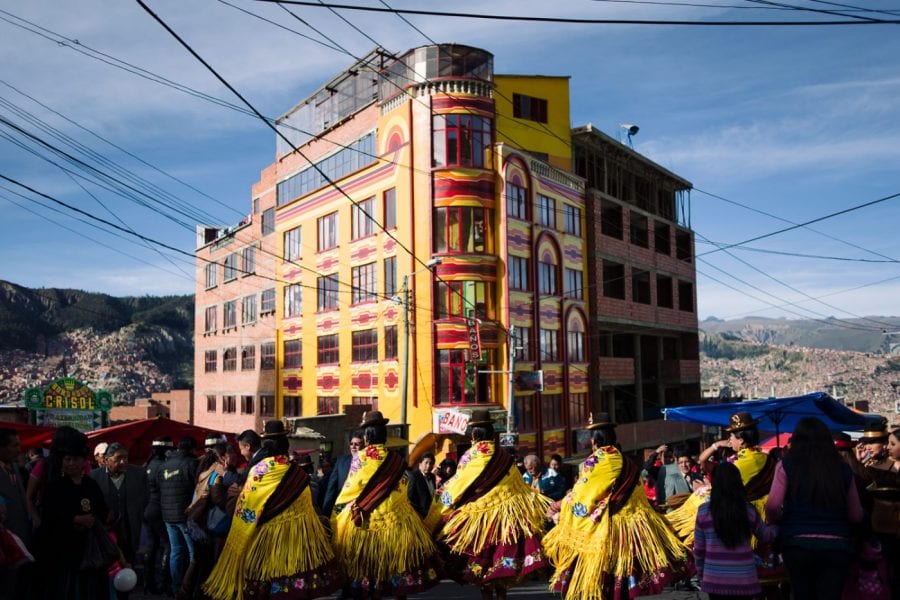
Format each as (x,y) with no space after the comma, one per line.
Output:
(684,518)
(433,518)
(496,518)
(226,582)
(394,541)
(760,505)
(296,537)
(635,540)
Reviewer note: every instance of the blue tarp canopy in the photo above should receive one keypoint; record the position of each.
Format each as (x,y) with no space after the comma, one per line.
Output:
(779,414)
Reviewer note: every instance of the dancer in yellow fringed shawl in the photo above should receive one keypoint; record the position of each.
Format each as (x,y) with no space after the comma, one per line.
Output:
(382,546)
(609,542)
(491,520)
(757,470)
(277,547)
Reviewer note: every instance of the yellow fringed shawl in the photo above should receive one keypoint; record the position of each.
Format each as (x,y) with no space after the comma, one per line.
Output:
(635,538)
(292,542)
(392,541)
(749,462)
(511,507)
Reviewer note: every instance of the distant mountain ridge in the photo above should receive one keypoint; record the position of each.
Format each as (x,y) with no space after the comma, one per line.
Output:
(856,335)
(759,357)
(130,346)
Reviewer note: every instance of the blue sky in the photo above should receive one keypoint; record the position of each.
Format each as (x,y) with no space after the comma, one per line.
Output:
(797,122)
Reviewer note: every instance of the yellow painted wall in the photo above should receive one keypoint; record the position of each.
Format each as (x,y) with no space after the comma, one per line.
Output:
(408,173)
(552,138)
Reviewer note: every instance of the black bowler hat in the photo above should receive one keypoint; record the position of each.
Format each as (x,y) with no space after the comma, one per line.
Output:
(741,421)
(373,418)
(273,429)
(600,420)
(480,417)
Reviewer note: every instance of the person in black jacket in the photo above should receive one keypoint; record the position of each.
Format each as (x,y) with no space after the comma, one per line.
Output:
(71,504)
(339,474)
(156,567)
(422,484)
(177,480)
(124,489)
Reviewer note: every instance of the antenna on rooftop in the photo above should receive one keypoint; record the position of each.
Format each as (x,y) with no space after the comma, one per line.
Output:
(626,132)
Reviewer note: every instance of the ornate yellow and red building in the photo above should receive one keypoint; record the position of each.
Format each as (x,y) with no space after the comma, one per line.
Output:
(416,194)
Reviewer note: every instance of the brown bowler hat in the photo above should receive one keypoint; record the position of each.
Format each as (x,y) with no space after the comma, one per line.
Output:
(741,421)
(374,418)
(599,420)
(480,417)
(273,429)
(874,434)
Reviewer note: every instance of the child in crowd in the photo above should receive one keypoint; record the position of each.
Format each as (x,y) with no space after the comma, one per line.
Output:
(724,557)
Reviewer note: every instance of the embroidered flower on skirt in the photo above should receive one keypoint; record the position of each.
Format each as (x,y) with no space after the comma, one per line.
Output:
(311,584)
(248,516)
(446,499)
(579,509)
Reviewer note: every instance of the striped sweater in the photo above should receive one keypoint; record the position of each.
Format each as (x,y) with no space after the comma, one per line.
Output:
(723,570)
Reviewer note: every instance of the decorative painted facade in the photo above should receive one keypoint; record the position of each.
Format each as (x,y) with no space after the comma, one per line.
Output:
(430,174)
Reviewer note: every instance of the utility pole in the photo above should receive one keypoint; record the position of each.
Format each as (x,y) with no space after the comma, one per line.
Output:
(404,375)
(404,301)
(508,439)
(513,346)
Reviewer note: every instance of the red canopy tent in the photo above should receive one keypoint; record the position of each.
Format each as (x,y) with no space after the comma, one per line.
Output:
(31,436)
(137,435)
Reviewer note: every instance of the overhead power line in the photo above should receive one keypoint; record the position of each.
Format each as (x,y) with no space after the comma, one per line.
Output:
(805,223)
(578,21)
(795,289)
(801,254)
(789,222)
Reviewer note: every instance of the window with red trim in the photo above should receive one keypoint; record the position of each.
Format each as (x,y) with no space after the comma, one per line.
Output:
(460,229)
(327,405)
(364,282)
(328,350)
(365,345)
(451,386)
(293,354)
(460,140)
(551,411)
(523,412)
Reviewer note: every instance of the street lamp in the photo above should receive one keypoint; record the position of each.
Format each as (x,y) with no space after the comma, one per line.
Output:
(404,300)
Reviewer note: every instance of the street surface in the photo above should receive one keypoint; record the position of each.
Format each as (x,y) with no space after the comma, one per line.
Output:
(536,590)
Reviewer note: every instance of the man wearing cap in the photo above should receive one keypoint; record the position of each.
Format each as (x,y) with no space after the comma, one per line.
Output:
(382,546)
(608,540)
(100,455)
(277,546)
(491,519)
(757,471)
